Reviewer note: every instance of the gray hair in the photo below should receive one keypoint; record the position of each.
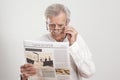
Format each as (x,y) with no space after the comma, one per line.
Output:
(55,9)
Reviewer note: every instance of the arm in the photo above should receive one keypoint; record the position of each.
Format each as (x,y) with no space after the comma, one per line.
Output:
(82,58)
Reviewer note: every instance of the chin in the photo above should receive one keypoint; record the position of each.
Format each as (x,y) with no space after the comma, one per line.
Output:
(58,37)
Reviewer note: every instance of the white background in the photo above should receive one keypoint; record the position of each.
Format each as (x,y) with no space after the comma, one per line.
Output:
(98,21)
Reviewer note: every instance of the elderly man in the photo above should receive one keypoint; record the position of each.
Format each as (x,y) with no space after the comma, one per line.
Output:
(57,21)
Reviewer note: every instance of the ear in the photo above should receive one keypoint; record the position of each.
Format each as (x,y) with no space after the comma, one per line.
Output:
(46,25)
(67,22)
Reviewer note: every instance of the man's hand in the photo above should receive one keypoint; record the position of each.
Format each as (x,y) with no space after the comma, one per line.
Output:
(71,34)
(27,70)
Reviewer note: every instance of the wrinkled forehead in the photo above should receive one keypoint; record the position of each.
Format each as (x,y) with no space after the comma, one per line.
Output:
(60,18)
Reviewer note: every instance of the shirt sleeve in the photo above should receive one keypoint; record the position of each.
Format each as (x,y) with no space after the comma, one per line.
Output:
(82,58)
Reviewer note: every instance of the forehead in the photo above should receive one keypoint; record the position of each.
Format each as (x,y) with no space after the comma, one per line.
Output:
(60,18)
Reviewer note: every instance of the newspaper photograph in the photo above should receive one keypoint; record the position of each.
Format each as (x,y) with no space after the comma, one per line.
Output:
(50,58)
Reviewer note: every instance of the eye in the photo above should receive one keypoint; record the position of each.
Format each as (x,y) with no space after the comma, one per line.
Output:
(60,25)
(52,25)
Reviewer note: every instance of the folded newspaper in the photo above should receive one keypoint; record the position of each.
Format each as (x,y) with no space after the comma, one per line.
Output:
(50,58)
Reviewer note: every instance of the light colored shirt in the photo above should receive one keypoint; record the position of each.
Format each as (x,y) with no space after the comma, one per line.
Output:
(80,57)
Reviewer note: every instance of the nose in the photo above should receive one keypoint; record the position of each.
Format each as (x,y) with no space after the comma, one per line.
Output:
(56,26)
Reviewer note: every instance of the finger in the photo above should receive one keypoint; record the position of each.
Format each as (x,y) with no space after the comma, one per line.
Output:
(26,65)
(26,68)
(69,32)
(29,68)
(29,72)
(22,66)
(69,28)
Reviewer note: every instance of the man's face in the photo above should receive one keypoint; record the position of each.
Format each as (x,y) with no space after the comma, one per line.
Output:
(57,25)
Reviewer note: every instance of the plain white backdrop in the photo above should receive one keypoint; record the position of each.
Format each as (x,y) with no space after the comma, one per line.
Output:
(98,21)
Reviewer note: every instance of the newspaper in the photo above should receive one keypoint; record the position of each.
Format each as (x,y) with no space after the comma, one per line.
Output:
(50,58)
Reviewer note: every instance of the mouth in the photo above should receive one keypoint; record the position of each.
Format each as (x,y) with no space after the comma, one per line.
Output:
(57,33)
